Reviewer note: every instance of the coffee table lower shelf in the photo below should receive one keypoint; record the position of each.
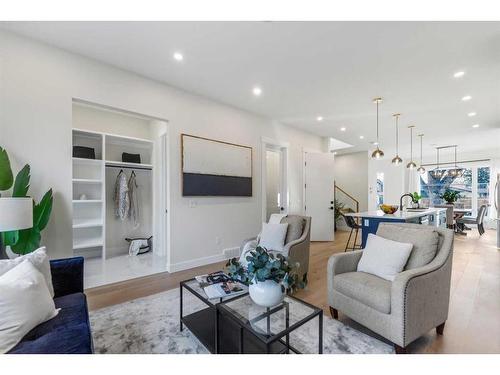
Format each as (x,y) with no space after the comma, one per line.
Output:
(202,325)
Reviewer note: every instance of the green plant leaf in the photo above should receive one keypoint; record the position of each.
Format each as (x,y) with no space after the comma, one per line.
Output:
(6,177)
(42,210)
(10,238)
(22,183)
(29,241)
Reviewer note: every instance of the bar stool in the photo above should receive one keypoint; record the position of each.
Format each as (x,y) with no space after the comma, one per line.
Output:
(351,223)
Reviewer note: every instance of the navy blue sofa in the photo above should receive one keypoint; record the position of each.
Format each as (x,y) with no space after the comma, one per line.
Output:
(69,332)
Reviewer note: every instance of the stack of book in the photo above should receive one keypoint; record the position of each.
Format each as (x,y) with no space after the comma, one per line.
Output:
(219,285)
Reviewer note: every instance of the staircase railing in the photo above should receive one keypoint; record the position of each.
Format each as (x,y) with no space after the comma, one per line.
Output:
(354,201)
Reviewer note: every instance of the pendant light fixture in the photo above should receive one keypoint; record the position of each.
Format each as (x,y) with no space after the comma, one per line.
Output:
(411,164)
(421,169)
(378,153)
(455,172)
(397,160)
(437,173)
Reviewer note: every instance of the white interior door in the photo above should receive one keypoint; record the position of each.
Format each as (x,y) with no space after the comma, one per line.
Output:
(318,196)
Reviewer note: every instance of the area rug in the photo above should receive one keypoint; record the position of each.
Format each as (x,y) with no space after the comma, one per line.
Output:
(151,325)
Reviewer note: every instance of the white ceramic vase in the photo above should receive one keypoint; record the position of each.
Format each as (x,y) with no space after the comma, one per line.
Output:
(267,293)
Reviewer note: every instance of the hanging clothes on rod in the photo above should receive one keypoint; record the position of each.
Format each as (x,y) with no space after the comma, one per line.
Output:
(121,196)
(134,199)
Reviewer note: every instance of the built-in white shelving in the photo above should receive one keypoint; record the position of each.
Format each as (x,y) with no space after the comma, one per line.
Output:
(89,182)
(86,181)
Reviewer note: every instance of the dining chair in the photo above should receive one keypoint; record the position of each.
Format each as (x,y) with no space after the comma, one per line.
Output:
(478,220)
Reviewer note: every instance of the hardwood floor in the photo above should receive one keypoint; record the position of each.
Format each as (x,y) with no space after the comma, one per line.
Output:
(473,325)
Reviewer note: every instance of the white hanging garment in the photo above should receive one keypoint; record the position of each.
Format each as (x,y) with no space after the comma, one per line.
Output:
(121,197)
(133,194)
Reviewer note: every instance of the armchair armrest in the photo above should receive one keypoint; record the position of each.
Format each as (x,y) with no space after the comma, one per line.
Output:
(343,262)
(67,276)
(420,299)
(242,246)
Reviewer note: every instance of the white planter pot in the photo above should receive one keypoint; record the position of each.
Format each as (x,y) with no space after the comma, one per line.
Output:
(267,293)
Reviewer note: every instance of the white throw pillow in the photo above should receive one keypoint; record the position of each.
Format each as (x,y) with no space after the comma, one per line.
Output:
(38,258)
(273,236)
(384,258)
(25,302)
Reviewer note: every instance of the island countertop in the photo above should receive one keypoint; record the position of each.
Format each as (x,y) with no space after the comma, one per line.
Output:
(398,215)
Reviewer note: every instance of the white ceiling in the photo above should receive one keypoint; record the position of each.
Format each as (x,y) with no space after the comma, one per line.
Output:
(307,69)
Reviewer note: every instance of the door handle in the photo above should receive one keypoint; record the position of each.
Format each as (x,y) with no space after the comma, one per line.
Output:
(282,208)
(331,208)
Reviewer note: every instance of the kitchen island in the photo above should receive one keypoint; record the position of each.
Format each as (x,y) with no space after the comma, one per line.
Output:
(371,219)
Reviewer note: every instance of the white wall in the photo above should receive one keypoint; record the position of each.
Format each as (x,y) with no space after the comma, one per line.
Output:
(351,175)
(37,84)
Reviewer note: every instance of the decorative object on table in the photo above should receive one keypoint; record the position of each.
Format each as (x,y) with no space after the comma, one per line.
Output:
(215,168)
(83,197)
(450,196)
(389,208)
(378,153)
(268,276)
(83,152)
(416,197)
(411,164)
(131,158)
(27,239)
(397,159)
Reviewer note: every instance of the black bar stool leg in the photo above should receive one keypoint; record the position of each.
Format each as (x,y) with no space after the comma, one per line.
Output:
(349,239)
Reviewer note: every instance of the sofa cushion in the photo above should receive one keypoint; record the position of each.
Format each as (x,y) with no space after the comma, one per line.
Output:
(295,227)
(69,332)
(425,241)
(368,289)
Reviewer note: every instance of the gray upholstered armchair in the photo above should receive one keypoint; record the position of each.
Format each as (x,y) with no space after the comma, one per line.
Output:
(406,308)
(297,242)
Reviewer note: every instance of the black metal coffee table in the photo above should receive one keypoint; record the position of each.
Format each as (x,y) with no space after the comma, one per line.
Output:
(238,325)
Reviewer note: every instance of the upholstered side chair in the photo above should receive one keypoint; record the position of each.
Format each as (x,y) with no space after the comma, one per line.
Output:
(411,305)
(297,243)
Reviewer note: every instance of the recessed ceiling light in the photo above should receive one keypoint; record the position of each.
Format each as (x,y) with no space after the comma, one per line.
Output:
(466,98)
(475,126)
(319,118)
(178,56)
(471,114)
(342,129)
(257,91)
(361,137)
(459,74)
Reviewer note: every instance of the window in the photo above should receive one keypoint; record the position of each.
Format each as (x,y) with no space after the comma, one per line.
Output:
(473,187)
(380,188)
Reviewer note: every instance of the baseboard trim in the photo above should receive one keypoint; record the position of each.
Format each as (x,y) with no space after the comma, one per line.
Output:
(181,266)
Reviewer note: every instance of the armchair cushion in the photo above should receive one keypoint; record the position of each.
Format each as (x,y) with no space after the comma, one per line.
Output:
(295,227)
(368,289)
(425,240)
(384,258)
(273,236)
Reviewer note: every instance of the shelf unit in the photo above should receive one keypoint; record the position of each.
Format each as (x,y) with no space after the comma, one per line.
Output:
(89,184)
(88,195)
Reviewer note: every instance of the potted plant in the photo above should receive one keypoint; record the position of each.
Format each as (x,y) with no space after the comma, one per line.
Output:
(338,208)
(268,276)
(23,241)
(450,196)
(416,197)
